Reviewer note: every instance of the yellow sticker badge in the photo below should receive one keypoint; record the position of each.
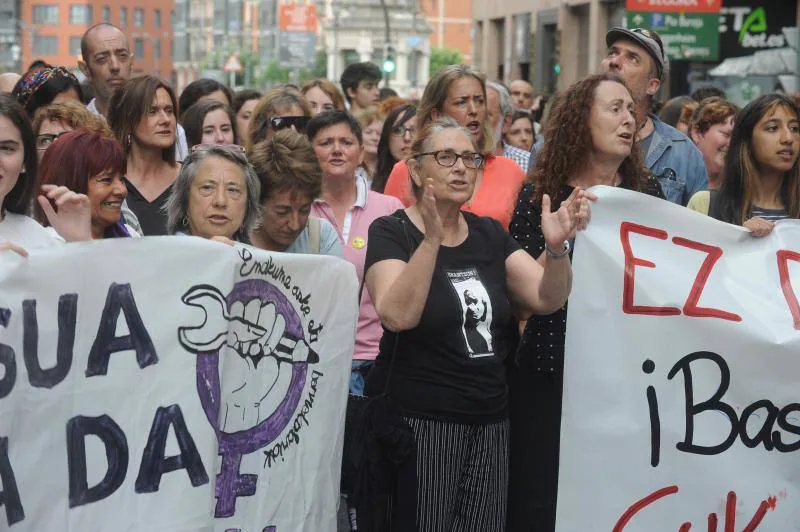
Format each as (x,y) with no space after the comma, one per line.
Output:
(359,242)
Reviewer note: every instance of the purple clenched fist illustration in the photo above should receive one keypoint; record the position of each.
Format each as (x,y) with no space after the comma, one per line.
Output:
(252,339)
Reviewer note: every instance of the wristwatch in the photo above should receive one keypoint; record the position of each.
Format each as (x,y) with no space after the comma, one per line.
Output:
(557,254)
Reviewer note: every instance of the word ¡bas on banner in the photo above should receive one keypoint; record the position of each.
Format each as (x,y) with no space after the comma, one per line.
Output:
(713,254)
(119,300)
(766,436)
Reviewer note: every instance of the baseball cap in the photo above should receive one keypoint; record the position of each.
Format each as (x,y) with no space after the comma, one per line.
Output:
(648,39)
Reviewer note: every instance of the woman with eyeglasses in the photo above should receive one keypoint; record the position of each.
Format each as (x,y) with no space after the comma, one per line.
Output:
(394,145)
(280,108)
(209,122)
(142,116)
(459,92)
(447,284)
(56,119)
(215,195)
(92,164)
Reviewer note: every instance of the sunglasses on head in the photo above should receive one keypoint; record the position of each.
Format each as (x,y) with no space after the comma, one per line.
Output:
(234,148)
(299,123)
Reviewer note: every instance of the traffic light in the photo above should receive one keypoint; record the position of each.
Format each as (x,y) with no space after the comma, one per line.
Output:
(390,62)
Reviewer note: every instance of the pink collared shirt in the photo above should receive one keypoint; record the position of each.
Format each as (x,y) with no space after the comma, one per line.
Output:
(369,205)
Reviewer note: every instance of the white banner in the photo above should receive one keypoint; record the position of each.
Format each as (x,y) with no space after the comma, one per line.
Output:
(172,384)
(681,374)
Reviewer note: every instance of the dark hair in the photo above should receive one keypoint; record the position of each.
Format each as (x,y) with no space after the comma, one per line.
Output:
(708,91)
(567,135)
(198,89)
(398,116)
(242,97)
(333,118)
(19,198)
(523,114)
(194,117)
(76,157)
(670,112)
(38,63)
(356,73)
(287,162)
(37,89)
(88,92)
(85,38)
(741,168)
(130,103)
(386,92)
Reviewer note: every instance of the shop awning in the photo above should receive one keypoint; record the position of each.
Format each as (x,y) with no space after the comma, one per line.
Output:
(774,62)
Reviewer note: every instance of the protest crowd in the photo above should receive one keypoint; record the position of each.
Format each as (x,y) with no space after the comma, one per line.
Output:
(459,212)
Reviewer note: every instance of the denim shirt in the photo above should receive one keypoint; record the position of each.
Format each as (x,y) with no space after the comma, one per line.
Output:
(676,162)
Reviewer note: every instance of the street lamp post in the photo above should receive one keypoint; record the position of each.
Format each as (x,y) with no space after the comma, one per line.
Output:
(387,29)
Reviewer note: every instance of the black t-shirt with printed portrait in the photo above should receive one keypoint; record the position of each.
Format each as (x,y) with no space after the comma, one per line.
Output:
(450,366)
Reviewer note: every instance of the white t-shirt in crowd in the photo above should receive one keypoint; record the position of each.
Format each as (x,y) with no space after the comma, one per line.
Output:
(26,232)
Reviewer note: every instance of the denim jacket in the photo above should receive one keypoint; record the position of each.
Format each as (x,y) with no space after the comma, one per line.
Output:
(676,162)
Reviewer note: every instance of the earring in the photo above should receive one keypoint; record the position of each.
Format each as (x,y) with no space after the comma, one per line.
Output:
(129,139)
(185,221)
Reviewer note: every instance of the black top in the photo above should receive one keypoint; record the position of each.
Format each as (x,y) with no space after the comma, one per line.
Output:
(542,343)
(450,366)
(152,218)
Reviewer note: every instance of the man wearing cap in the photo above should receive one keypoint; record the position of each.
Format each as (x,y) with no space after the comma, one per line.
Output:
(638,57)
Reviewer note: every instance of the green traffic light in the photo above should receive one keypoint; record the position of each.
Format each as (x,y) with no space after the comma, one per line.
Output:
(557,69)
(388,66)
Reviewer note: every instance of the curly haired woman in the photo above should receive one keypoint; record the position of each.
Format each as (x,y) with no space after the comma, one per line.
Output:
(588,141)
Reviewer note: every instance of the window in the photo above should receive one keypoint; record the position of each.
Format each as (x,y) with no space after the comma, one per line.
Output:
(75,46)
(139,48)
(80,14)
(123,17)
(45,14)
(45,44)
(138,17)
(106,14)
(157,18)
(157,49)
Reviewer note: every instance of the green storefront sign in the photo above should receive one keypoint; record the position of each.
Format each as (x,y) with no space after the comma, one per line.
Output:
(689,36)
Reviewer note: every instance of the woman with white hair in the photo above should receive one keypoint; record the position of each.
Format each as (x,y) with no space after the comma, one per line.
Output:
(215,195)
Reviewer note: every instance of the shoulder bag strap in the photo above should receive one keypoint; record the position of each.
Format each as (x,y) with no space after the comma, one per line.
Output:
(314,235)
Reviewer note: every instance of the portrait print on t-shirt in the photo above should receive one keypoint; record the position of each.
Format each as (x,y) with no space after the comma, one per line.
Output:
(476,311)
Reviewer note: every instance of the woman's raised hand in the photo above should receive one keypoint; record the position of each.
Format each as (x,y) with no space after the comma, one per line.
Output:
(72,216)
(434,228)
(573,215)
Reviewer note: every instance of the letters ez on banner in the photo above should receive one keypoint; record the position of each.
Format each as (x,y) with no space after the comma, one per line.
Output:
(681,403)
(172,384)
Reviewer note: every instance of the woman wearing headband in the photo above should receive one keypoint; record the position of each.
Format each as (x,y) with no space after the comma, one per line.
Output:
(43,87)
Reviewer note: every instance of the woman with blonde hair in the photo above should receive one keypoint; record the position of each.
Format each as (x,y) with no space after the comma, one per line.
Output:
(322,95)
(371,126)
(459,92)
(56,119)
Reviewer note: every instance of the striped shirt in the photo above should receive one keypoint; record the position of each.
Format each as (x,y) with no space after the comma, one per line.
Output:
(771,215)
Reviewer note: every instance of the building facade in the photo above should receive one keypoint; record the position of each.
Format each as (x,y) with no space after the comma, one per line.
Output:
(356,30)
(451,25)
(51,30)
(551,43)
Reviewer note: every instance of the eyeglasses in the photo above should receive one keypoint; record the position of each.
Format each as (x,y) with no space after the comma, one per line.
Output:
(284,122)
(448,158)
(235,148)
(400,131)
(44,141)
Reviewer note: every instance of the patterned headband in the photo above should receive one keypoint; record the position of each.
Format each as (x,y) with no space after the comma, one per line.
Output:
(30,83)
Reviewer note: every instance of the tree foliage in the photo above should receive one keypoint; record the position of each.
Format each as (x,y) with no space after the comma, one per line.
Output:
(442,57)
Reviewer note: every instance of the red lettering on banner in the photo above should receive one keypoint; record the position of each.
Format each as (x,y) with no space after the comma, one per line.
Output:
(690,308)
(784,256)
(730,512)
(631,262)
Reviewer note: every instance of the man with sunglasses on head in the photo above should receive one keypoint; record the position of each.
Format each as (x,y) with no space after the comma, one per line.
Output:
(638,57)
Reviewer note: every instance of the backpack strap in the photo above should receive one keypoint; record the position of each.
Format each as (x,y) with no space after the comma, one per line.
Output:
(314,235)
